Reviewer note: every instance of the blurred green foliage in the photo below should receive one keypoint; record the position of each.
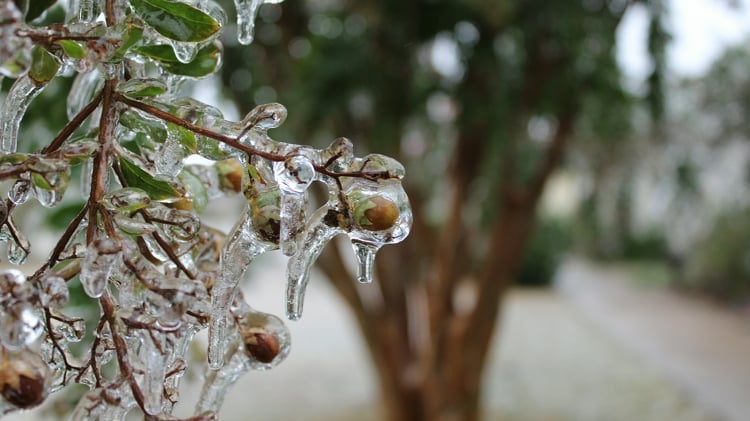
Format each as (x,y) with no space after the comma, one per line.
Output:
(549,243)
(720,264)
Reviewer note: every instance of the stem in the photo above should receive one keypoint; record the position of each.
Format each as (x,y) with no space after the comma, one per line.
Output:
(73,125)
(230,141)
(101,158)
(61,243)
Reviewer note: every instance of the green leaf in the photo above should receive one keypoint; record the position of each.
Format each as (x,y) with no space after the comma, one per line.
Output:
(139,88)
(205,62)
(184,136)
(132,34)
(197,191)
(72,49)
(157,189)
(44,65)
(175,20)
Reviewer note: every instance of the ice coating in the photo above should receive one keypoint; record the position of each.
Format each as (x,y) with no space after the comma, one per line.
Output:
(293,176)
(319,232)
(241,248)
(97,265)
(252,335)
(23,91)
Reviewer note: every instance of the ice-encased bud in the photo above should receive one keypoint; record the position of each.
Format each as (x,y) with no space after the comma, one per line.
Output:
(101,256)
(265,338)
(295,174)
(20,192)
(53,292)
(24,379)
(128,199)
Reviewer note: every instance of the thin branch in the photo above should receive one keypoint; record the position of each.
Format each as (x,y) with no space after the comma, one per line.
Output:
(73,125)
(233,142)
(62,243)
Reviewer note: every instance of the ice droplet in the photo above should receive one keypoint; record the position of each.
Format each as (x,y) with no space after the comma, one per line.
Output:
(19,326)
(365,254)
(315,237)
(184,51)
(23,91)
(20,191)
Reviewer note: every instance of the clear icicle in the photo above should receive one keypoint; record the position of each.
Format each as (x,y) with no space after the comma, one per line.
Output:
(23,91)
(85,87)
(246,12)
(241,248)
(86,11)
(18,251)
(154,376)
(365,254)
(317,235)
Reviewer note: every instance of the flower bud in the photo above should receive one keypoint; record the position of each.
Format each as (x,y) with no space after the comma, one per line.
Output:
(23,379)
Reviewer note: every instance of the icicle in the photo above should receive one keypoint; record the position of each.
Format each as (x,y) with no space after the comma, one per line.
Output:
(294,177)
(365,254)
(86,11)
(23,91)
(317,235)
(153,379)
(240,249)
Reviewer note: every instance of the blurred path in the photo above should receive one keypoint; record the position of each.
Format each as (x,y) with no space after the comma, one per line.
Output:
(705,349)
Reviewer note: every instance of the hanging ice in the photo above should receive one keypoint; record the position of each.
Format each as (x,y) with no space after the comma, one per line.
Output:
(246,12)
(240,249)
(321,228)
(23,91)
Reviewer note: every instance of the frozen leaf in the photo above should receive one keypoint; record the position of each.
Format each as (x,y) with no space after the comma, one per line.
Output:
(72,49)
(157,189)
(176,20)
(204,63)
(145,87)
(44,65)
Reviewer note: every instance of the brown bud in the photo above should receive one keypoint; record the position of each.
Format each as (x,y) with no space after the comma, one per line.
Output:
(381,215)
(23,379)
(261,345)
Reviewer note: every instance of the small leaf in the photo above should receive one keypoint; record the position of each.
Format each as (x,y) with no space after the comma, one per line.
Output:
(72,49)
(175,20)
(139,88)
(44,65)
(206,61)
(197,191)
(40,181)
(157,189)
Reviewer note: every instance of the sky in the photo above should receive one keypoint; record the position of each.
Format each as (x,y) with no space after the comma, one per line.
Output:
(702,30)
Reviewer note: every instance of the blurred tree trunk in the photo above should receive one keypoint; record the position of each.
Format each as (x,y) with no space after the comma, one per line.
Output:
(429,319)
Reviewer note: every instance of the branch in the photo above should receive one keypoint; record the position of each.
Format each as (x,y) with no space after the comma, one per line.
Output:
(73,124)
